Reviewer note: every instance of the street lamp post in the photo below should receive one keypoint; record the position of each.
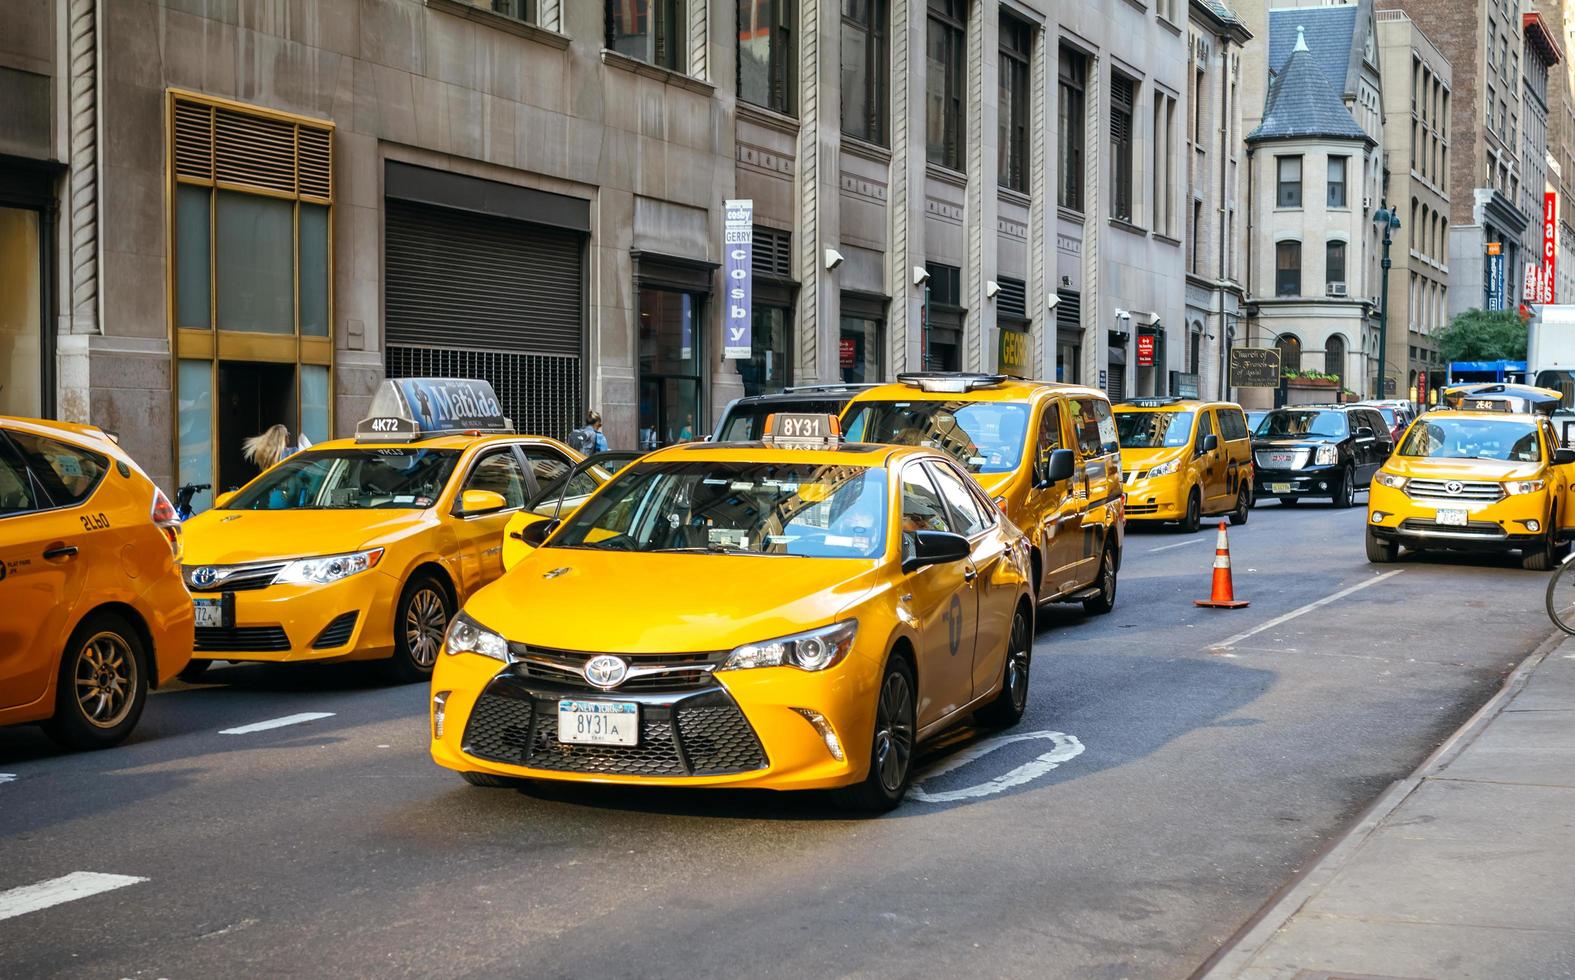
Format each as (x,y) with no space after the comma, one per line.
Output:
(1389,221)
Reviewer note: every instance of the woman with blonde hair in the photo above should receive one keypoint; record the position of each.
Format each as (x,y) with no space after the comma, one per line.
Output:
(267,449)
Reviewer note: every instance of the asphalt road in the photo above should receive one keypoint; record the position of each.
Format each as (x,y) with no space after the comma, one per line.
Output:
(1206,776)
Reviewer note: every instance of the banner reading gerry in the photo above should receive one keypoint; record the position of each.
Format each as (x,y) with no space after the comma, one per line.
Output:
(738,237)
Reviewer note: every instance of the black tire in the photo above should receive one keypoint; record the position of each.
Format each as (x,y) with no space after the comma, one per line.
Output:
(1345,491)
(1008,706)
(1243,509)
(102,685)
(192,673)
(489,781)
(1106,599)
(1194,517)
(891,746)
(420,621)
(1543,557)
(1379,551)
(1560,598)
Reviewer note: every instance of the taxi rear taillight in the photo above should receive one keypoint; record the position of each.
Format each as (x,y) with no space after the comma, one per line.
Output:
(165,518)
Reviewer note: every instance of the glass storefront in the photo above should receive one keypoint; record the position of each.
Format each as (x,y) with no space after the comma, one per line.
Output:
(769,367)
(860,350)
(671,355)
(21,314)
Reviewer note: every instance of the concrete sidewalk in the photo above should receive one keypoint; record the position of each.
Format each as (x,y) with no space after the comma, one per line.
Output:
(1465,869)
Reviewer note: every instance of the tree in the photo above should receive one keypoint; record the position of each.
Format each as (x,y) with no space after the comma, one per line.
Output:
(1484,335)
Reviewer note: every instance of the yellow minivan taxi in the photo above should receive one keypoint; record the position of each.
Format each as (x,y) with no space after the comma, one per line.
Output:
(361,549)
(794,614)
(92,610)
(1479,480)
(1047,454)
(1185,459)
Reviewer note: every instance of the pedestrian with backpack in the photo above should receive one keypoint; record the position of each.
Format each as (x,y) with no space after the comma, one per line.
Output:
(588,439)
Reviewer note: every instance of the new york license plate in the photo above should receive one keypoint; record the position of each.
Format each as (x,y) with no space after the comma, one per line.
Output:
(599,722)
(1452,518)
(210,612)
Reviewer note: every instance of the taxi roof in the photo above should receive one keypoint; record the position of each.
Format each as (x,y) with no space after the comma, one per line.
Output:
(459,442)
(1005,390)
(1440,414)
(1161,403)
(866,454)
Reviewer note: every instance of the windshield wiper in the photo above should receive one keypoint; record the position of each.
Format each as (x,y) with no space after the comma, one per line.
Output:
(721,549)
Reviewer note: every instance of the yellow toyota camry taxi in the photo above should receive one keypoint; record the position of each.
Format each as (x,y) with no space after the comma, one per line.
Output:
(1047,454)
(1490,477)
(92,610)
(1185,459)
(796,613)
(361,549)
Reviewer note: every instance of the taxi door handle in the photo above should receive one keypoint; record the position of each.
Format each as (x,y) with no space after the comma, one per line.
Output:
(970,573)
(60,551)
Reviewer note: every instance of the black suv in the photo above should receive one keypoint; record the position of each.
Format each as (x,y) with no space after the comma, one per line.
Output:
(1318,451)
(744,418)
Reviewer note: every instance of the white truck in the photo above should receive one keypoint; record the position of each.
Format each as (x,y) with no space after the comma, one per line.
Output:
(1550,361)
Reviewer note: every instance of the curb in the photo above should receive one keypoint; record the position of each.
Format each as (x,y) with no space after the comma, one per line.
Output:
(1243,946)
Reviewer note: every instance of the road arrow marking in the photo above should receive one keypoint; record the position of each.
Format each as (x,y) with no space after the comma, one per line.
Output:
(57,891)
(263,726)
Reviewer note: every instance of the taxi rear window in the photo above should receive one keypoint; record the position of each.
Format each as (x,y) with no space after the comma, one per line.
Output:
(984,437)
(351,479)
(68,474)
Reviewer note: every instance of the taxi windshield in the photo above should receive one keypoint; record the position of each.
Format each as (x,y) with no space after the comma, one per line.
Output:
(985,437)
(808,510)
(1473,439)
(350,479)
(1153,430)
(1301,422)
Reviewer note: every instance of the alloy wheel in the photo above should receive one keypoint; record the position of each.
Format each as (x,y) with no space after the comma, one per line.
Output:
(1018,653)
(106,677)
(894,731)
(426,620)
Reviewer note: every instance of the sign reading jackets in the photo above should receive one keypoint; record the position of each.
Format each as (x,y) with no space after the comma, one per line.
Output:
(738,229)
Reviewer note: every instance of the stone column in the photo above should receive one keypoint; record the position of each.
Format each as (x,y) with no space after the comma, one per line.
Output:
(980,106)
(1044,173)
(907,183)
(80,306)
(817,178)
(1095,317)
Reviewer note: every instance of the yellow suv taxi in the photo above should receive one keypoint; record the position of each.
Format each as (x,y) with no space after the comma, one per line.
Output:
(92,610)
(361,549)
(797,613)
(1488,478)
(1184,459)
(1047,454)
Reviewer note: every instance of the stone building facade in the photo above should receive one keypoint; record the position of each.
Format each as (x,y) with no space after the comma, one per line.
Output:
(248,213)
(1541,55)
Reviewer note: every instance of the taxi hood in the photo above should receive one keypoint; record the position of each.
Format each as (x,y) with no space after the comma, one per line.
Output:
(1423,468)
(227,537)
(577,599)
(996,484)
(1142,459)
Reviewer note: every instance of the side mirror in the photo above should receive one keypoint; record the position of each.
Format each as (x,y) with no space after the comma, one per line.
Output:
(1364,432)
(1059,467)
(224,498)
(525,533)
(1563,457)
(1211,442)
(474,502)
(936,548)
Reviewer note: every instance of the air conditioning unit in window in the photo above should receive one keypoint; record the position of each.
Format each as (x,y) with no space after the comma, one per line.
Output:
(1336,289)
(1367,204)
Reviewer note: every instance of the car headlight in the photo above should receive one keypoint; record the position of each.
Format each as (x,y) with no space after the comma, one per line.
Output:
(465,635)
(1326,456)
(330,568)
(1389,480)
(1164,469)
(814,650)
(1524,486)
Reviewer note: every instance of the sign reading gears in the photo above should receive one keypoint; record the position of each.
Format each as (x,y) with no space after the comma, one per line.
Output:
(738,249)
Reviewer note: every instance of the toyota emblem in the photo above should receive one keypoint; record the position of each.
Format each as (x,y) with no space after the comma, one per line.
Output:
(1454,486)
(204,576)
(606,671)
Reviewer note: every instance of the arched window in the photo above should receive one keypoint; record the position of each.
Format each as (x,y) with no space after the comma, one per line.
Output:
(1290,347)
(1195,347)
(1334,357)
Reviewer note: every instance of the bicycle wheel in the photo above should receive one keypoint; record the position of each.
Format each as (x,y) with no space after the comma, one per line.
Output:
(1561,597)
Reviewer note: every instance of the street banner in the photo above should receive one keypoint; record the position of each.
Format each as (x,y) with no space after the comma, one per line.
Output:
(1550,237)
(1531,288)
(738,236)
(1495,281)
(1254,367)
(1145,350)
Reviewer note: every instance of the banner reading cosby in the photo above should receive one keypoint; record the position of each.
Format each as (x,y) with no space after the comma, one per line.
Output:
(738,230)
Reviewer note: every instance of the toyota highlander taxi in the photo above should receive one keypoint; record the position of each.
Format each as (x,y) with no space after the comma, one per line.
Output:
(796,613)
(1047,454)
(361,549)
(1490,477)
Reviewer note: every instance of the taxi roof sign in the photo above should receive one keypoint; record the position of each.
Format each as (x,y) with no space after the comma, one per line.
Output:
(407,409)
(1495,397)
(802,430)
(1160,402)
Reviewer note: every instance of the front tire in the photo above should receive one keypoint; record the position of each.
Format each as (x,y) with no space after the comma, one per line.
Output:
(420,622)
(1007,708)
(1106,599)
(1194,517)
(1542,558)
(1379,551)
(891,748)
(102,685)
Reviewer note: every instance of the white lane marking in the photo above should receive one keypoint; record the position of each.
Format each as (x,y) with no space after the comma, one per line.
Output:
(263,726)
(1066,747)
(7,777)
(1178,544)
(57,891)
(1227,644)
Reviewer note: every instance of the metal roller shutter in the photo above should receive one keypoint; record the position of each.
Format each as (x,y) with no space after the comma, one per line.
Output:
(473,295)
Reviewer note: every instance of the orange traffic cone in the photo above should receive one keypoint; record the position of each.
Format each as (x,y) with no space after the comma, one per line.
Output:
(1224,596)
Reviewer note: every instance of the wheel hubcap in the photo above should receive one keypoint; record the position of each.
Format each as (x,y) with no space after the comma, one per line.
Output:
(894,732)
(425,622)
(1017,662)
(106,677)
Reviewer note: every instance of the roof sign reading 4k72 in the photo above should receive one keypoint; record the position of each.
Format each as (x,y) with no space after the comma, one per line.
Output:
(405,409)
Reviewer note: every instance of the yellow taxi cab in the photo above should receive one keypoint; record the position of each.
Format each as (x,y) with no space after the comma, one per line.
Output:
(1490,476)
(92,610)
(361,549)
(796,613)
(1184,459)
(1047,454)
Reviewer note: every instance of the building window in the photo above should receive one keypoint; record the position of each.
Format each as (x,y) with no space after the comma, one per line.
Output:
(861,349)
(1123,99)
(943,318)
(524,10)
(24,350)
(1017,45)
(1195,254)
(1334,267)
(649,30)
(1072,95)
(769,366)
(1289,193)
(670,364)
(1290,347)
(864,73)
(943,82)
(1288,269)
(1334,357)
(766,53)
(1337,182)
(251,267)
(1164,195)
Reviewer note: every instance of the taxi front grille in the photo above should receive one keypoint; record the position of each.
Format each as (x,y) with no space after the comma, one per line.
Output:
(1138,510)
(668,671)
(242,639)
(1484,529)
(1475,490)
(233,578)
